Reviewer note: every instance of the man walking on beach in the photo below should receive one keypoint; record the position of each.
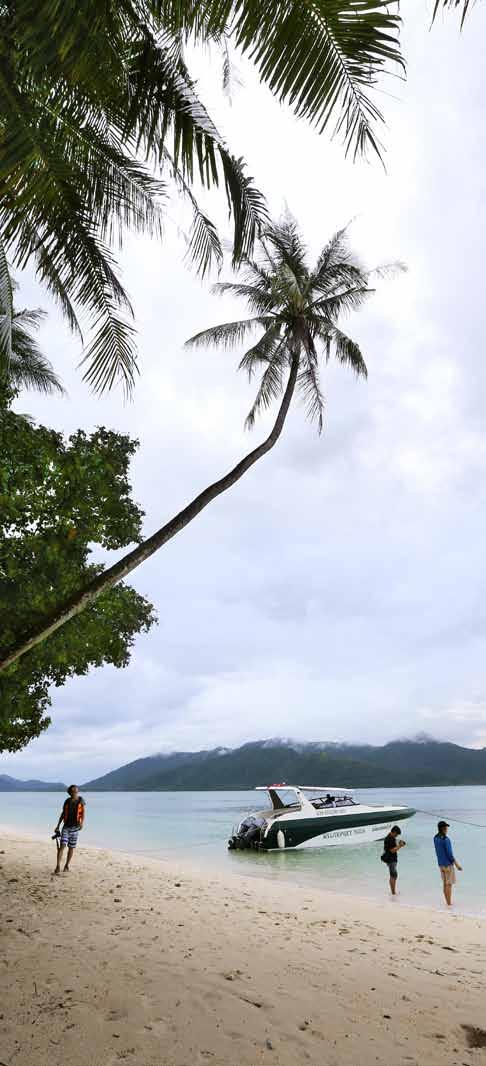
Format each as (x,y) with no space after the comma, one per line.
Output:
(391,847)
(72,818)
(447,863)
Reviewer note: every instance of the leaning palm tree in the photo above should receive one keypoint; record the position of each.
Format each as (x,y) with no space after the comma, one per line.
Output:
(297,311)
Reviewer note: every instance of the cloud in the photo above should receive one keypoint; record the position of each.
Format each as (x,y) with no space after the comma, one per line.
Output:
(337,591)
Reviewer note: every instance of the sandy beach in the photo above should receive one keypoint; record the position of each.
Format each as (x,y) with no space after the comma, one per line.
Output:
(148,963)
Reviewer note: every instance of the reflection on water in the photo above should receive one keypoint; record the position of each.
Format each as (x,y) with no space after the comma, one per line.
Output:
(197,824)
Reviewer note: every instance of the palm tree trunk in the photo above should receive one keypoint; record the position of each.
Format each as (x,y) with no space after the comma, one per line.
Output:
(82,599)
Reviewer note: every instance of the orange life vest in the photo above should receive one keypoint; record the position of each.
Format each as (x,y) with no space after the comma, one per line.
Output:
(79,811)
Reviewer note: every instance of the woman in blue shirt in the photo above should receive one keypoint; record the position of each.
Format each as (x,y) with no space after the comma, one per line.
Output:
(447,863)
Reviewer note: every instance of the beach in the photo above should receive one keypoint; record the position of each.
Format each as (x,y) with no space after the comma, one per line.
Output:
(153,963)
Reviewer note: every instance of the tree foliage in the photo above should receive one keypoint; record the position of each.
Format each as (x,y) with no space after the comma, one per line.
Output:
(59,499)
(22,363)
(296,309)
(97,106)
(99,112)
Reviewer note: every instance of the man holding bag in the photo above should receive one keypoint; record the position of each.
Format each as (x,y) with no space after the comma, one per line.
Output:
(391,847)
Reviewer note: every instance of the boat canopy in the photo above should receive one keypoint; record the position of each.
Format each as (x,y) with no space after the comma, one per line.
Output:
(306,788)
(306,797)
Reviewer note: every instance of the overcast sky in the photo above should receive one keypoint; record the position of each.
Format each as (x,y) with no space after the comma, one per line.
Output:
(338,592)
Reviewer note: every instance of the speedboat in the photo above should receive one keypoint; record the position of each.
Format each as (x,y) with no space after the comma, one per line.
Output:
(301,816)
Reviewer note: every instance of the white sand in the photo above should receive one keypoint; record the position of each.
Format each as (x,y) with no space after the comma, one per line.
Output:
(151,964)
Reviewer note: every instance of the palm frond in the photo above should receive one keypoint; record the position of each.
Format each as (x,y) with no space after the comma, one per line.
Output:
(257,299)
(227,335)
(321,57)
(165,101)
(288,247)
(44,217)
(287,286)
(264,351)
(386,271)
(335,255)
(231,79)
(346,351)
(331,307)
(34,372)
(308,384)
(338,278)
(193,19)
(464,4)
(247,204)
(28,367)
(110,355)
(270,386)
(48,272)
(203,244)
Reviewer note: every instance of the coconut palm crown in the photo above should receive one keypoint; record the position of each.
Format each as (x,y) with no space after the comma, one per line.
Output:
(297,310)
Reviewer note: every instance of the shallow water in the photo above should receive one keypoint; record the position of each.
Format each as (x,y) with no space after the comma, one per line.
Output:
(196,825)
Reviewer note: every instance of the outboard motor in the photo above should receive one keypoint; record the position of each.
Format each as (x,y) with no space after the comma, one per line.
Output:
(247,835)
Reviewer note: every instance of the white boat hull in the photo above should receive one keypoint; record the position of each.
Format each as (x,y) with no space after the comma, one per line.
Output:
(339,837)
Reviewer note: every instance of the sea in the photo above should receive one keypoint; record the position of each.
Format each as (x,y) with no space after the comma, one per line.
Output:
(195,826)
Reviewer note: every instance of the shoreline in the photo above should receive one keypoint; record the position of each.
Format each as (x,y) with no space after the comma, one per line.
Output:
(134,961)
(180,861)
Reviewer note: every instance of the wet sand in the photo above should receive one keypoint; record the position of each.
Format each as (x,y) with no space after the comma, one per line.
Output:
(149,963)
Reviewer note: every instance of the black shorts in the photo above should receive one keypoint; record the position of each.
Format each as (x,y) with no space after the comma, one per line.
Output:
(393,868)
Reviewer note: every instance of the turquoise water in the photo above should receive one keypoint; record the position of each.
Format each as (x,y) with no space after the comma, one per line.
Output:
(196,825)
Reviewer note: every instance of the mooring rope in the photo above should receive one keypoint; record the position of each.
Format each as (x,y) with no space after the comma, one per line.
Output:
(460,821)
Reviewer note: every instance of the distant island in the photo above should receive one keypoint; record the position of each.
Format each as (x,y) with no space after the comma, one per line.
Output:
(399,764)
(12,784)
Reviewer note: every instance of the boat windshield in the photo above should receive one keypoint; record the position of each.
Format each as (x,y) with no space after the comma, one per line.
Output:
(329,800)
(287,797)
(283,798)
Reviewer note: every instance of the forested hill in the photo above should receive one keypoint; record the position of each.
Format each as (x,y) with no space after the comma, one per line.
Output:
(13,784)
(399,763)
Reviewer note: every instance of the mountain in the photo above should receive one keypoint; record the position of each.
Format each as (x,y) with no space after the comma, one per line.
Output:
(12,784)
(135,774)
(400,763)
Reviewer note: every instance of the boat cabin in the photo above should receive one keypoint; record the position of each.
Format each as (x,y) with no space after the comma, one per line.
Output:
(285,798)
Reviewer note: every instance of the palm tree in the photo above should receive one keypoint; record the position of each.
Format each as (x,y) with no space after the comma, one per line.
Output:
(99,113)
(297,311)
(29,368)
(22,364)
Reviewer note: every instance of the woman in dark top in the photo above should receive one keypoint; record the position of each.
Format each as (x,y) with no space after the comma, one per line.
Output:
(391,847)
